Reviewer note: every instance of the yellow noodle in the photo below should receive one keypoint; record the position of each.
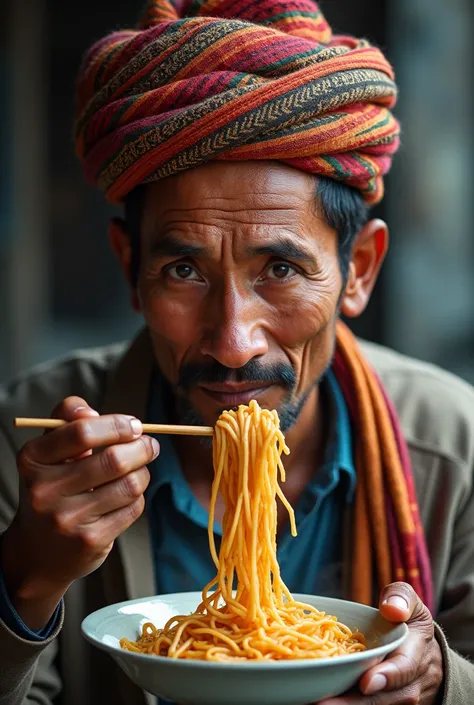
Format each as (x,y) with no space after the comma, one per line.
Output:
(261,621)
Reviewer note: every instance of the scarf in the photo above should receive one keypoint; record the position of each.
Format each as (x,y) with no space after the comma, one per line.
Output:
(388,535)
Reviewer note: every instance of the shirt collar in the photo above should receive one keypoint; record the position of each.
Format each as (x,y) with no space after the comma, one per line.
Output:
(338,459)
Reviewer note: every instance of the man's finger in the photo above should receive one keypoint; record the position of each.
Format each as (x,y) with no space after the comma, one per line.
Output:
(71,409)
(76,437)
(400,603)
(111,525)
(89,507)
(398,670)
(109,465)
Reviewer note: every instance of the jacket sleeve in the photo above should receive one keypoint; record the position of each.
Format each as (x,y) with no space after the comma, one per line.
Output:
(27,671)
(455,620)
(28,674)
(458,674)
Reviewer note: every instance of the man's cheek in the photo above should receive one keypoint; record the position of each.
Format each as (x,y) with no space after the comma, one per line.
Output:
(178,323)
(174,340)
(313,351)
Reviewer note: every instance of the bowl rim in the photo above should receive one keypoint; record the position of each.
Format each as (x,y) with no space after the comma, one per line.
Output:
(297,664)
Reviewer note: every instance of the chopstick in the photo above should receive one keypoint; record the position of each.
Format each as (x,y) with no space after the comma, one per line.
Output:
(172,429)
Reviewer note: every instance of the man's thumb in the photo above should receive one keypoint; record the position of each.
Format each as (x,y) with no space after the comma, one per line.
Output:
(400,603)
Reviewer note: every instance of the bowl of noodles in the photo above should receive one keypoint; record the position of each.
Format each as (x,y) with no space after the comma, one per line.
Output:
(245,640)
(241,682)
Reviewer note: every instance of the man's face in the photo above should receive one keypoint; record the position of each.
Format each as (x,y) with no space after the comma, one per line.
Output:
(239,285)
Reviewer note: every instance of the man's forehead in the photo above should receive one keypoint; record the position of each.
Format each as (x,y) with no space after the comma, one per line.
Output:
(234,186)
(267,205)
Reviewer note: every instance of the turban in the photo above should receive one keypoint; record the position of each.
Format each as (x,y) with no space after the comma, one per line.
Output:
(234,80)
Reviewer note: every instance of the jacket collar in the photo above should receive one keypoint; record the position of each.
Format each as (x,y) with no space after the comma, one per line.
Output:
(128,384)
(128,571)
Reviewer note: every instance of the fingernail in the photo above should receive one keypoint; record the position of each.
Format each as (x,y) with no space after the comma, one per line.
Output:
(376,683)
(397,601)
(93,412)
(156,447)
(137,427)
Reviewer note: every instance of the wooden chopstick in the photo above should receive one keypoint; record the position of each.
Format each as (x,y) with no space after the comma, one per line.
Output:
(172,429)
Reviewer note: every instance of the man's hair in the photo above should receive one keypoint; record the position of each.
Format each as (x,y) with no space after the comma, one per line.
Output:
(342,208)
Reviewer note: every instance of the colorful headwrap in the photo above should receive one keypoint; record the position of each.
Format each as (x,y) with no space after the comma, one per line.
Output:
(234,80)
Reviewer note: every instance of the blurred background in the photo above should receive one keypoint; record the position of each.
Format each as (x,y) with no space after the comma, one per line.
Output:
(60,287)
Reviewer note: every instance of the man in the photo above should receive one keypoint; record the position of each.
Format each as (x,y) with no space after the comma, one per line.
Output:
(246,143)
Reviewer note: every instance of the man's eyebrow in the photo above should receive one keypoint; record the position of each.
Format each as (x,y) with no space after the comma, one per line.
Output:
(170,246)
(286,249)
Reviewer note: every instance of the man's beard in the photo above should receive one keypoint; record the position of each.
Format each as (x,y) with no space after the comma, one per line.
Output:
(280,374)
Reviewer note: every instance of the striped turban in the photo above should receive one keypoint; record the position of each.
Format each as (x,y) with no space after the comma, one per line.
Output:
(234,80)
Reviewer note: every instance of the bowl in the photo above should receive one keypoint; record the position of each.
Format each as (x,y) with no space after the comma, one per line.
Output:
(297,682)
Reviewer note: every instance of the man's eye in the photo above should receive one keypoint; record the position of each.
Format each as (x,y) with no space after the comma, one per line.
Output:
(280,270)
(183,272)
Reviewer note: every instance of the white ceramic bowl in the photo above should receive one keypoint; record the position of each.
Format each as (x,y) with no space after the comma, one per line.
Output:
(202,683)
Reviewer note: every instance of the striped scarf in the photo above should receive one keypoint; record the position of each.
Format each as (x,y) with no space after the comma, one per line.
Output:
(388,535)
(234,80)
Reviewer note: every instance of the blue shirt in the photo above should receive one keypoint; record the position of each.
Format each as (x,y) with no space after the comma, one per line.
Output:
(310,563)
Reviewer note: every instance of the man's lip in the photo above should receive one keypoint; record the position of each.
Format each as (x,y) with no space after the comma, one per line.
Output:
(235,397)
(234,387)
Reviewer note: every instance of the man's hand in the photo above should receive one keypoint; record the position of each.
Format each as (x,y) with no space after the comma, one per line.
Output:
(73,504)
(411,674)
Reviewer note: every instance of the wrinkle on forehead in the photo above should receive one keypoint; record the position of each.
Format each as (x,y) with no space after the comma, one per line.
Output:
(246,200)
(234,187)
(215,215)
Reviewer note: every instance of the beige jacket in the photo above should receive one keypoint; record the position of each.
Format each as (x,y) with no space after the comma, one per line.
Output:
(437,416)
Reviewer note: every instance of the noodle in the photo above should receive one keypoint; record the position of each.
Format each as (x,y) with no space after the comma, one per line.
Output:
(260,621)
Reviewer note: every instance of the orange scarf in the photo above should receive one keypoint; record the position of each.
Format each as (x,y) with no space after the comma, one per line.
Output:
(388,536)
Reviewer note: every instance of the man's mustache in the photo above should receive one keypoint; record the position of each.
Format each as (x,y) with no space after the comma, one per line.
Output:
(253,371)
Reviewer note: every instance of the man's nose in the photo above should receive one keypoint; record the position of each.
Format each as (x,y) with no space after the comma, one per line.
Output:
(234,333)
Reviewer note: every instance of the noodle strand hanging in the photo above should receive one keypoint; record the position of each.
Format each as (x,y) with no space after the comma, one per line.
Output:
(260,620)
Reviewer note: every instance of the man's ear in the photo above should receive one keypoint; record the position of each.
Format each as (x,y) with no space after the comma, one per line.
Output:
(368,253)
(120,242)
